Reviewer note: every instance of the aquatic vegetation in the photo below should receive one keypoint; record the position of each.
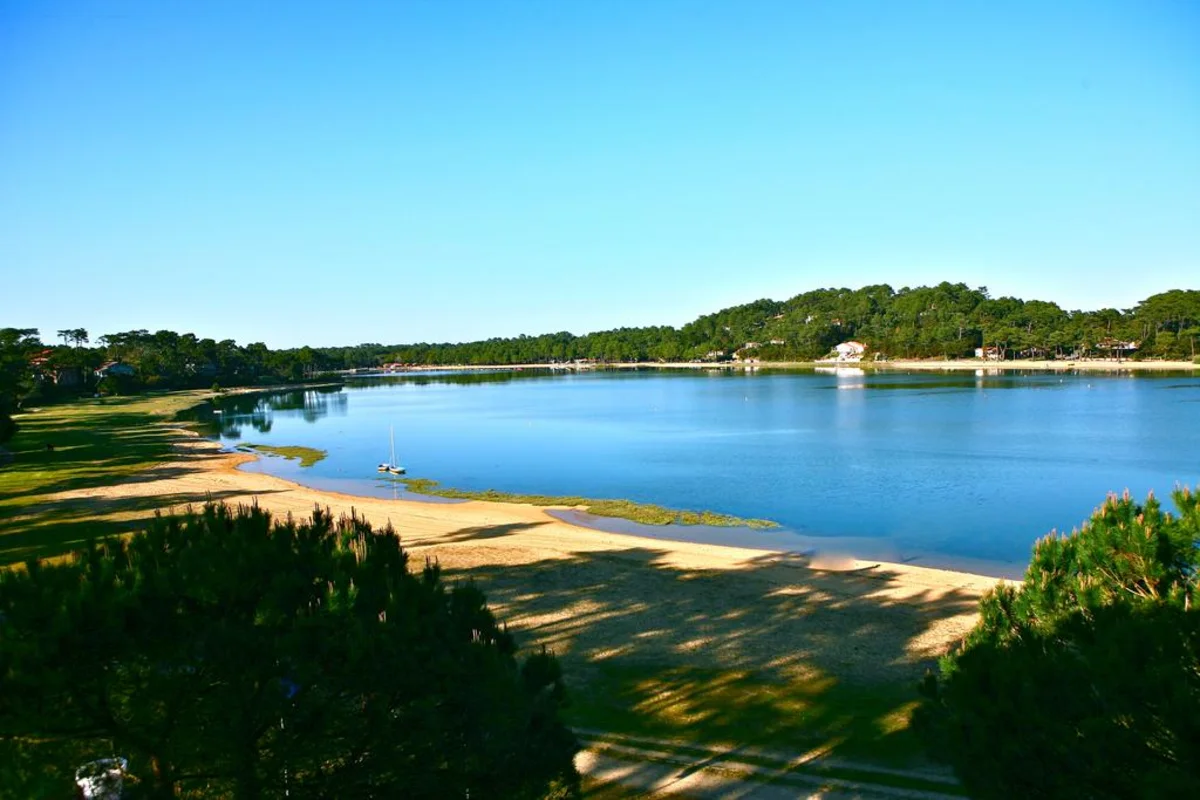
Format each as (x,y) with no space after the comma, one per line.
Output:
(646,513)
(307,456)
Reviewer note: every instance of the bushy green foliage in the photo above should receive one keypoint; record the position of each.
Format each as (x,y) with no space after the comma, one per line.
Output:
(1084,681)
(228,654)
(16,376)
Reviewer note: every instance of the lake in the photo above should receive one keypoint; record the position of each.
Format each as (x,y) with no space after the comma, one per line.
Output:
(949,469)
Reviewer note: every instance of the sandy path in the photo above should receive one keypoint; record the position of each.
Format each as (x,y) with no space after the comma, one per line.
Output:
(648,768)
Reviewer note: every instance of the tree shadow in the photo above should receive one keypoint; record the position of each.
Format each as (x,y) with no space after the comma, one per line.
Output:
(95,475)
(477,533)
(72,449)
(54,529)
(773,654)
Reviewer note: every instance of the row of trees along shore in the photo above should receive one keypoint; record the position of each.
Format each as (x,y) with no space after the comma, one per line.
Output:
(943,321)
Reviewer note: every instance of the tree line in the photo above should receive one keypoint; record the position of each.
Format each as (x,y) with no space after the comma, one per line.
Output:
(943,321)
(35,372)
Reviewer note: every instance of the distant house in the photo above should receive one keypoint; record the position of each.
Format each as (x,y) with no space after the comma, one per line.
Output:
(66,377)
(1115,347)
(779,341)
(850,351)
(115,369)
(989,353)
(714,355)
(39,360)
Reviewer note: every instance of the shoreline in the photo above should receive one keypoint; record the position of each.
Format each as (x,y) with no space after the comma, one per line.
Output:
(1040,365)
(430,518)
(1047,365)
(614,528)
(204,469)
(821,552)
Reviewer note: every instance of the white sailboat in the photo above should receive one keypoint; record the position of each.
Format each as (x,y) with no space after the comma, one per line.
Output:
(392,466)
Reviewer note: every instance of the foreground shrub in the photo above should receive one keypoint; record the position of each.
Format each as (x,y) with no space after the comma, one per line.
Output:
(227,654)
(1085,680)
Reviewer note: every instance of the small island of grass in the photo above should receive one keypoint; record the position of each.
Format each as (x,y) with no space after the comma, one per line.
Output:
(307,456)
(645,513)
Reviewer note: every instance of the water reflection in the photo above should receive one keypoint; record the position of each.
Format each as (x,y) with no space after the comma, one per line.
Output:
(227,416)
(452,378)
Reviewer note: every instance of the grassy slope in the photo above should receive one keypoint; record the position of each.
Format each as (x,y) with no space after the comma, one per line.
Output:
(96,442)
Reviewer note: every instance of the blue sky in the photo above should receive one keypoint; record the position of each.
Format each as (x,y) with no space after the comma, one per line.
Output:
(333,173)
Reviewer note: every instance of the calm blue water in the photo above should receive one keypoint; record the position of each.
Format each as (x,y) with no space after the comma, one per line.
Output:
(947,469)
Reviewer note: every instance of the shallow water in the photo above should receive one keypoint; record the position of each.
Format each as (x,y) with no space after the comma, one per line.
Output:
(945,469)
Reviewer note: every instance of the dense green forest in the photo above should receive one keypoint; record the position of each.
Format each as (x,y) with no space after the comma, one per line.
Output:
(943,321)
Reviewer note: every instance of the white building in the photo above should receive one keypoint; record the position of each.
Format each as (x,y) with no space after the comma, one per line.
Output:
(850,351)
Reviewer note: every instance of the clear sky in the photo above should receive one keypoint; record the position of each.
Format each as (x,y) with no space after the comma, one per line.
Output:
(334,173)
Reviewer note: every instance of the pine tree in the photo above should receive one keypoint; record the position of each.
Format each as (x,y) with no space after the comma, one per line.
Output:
(225,653)
(1084,681)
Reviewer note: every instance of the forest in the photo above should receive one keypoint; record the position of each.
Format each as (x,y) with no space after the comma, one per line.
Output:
(943,321)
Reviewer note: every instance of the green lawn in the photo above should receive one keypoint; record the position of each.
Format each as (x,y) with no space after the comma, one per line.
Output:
(78,446)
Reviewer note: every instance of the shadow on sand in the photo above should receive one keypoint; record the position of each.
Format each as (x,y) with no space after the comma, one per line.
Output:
(772,655)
